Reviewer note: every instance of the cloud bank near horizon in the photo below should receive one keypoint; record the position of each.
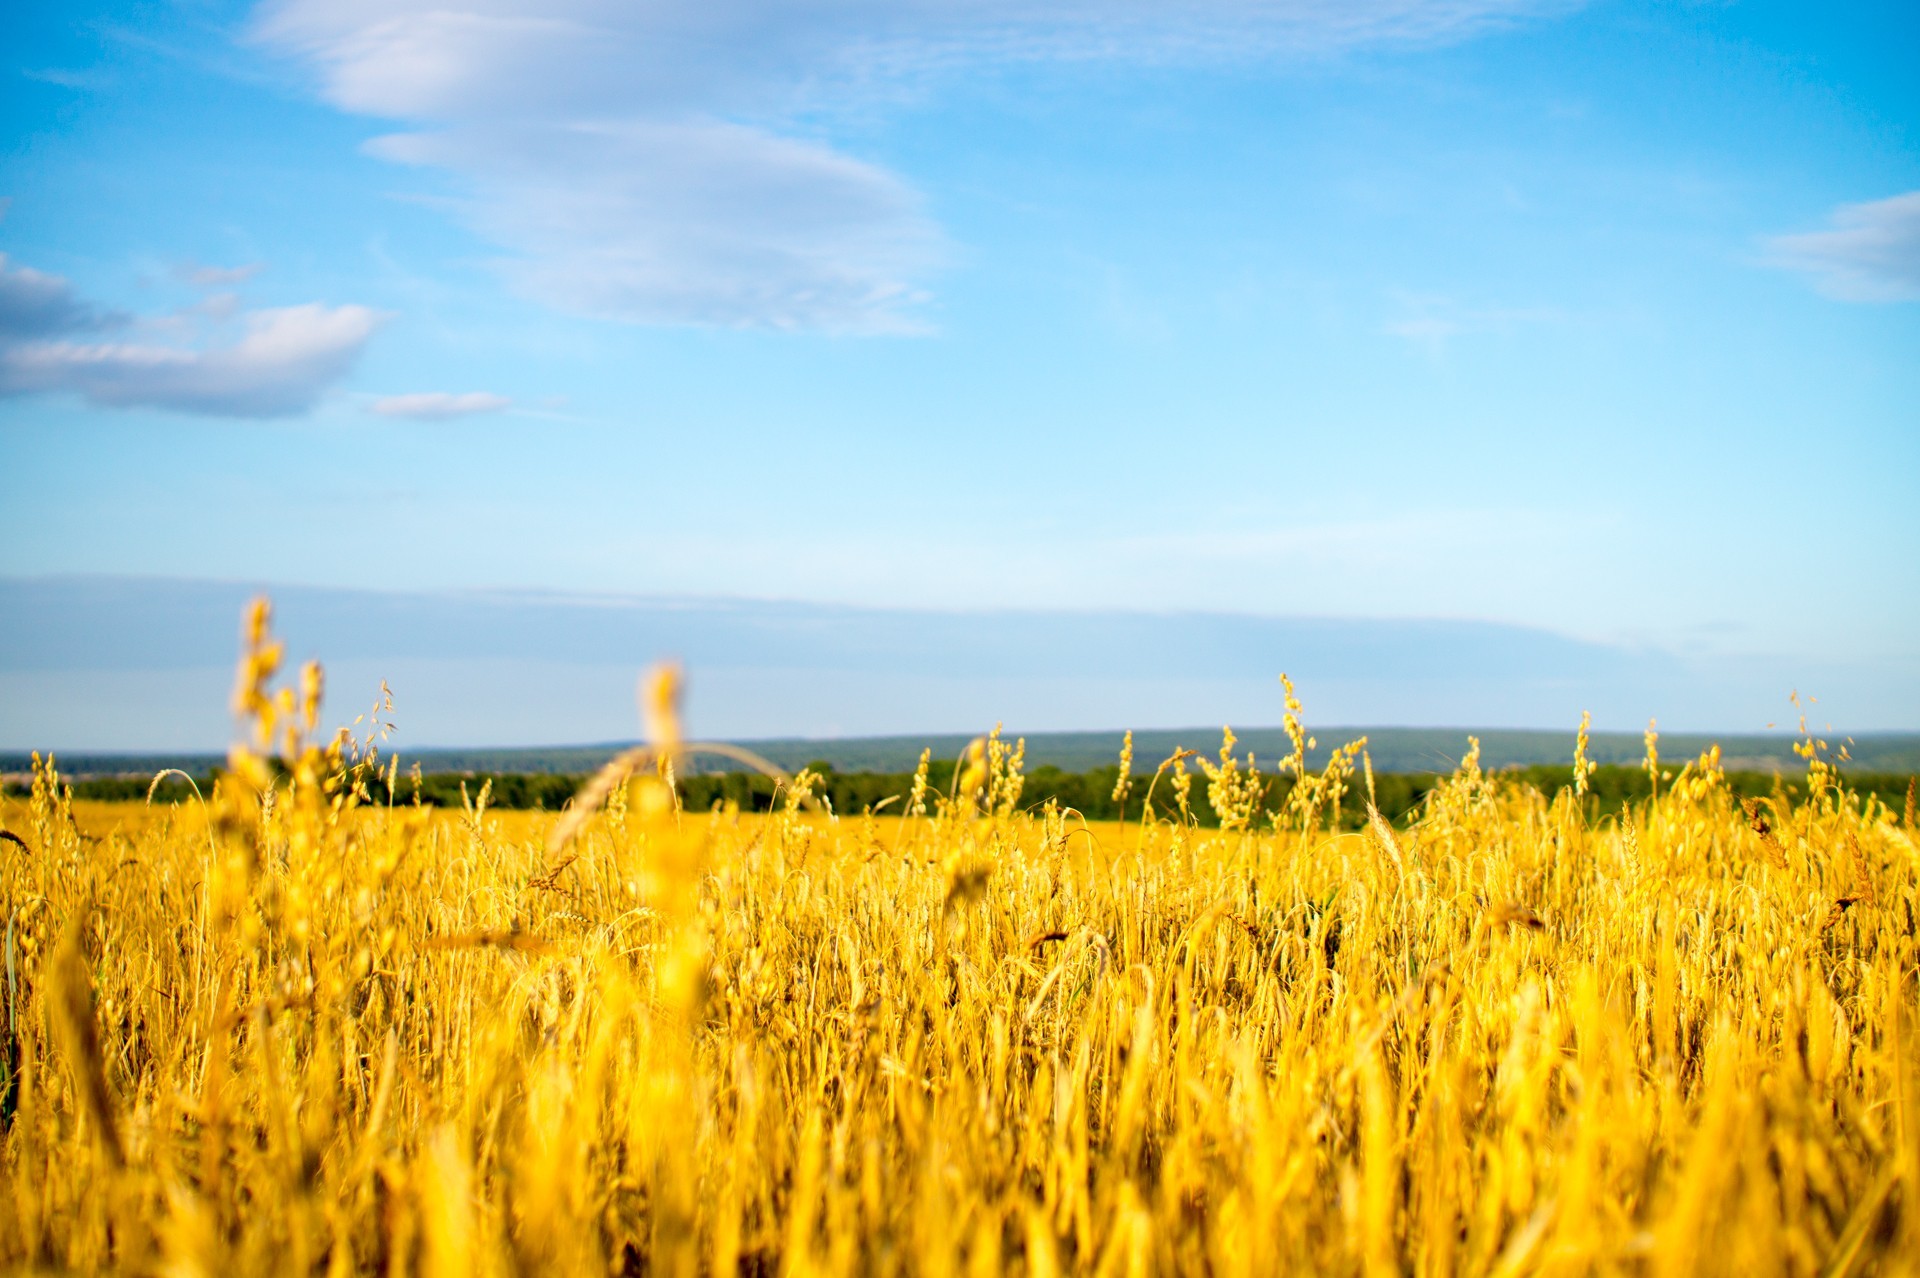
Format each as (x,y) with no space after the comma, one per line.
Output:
(129,663)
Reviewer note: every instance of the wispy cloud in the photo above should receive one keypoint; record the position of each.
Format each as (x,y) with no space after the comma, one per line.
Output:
(688,223)
(79,79)
(1871,253)
(638,161)
(266,363)
(440,405)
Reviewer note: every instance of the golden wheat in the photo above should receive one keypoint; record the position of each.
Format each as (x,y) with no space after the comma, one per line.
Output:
(303,1033)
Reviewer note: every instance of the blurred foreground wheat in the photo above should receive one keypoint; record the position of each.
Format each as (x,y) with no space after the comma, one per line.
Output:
(289,1031)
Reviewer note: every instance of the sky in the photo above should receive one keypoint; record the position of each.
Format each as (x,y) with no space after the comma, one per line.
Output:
(1600,320)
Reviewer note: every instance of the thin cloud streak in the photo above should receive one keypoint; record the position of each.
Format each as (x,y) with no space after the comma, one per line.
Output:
(439,405)
(1432,321)
(202,276)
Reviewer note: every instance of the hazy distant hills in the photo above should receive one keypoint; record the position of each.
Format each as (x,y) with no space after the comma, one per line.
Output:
(1392,750)
(100,663)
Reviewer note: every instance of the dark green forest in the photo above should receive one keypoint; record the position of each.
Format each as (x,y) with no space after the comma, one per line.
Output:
(1089,793)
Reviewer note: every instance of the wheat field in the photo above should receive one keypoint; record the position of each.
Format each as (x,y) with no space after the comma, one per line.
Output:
(284,1029)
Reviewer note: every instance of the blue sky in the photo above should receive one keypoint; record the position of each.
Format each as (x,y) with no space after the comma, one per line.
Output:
(1599,319)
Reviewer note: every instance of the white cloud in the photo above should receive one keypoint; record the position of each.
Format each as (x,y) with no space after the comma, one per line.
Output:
(630,155)
(1871,254)
(283,360)
(440,405)
(211,357)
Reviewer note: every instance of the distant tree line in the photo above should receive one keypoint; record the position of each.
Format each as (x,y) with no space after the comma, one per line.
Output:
(1089,793)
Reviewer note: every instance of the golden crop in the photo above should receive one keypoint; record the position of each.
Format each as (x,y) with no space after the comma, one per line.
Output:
(288,1031)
